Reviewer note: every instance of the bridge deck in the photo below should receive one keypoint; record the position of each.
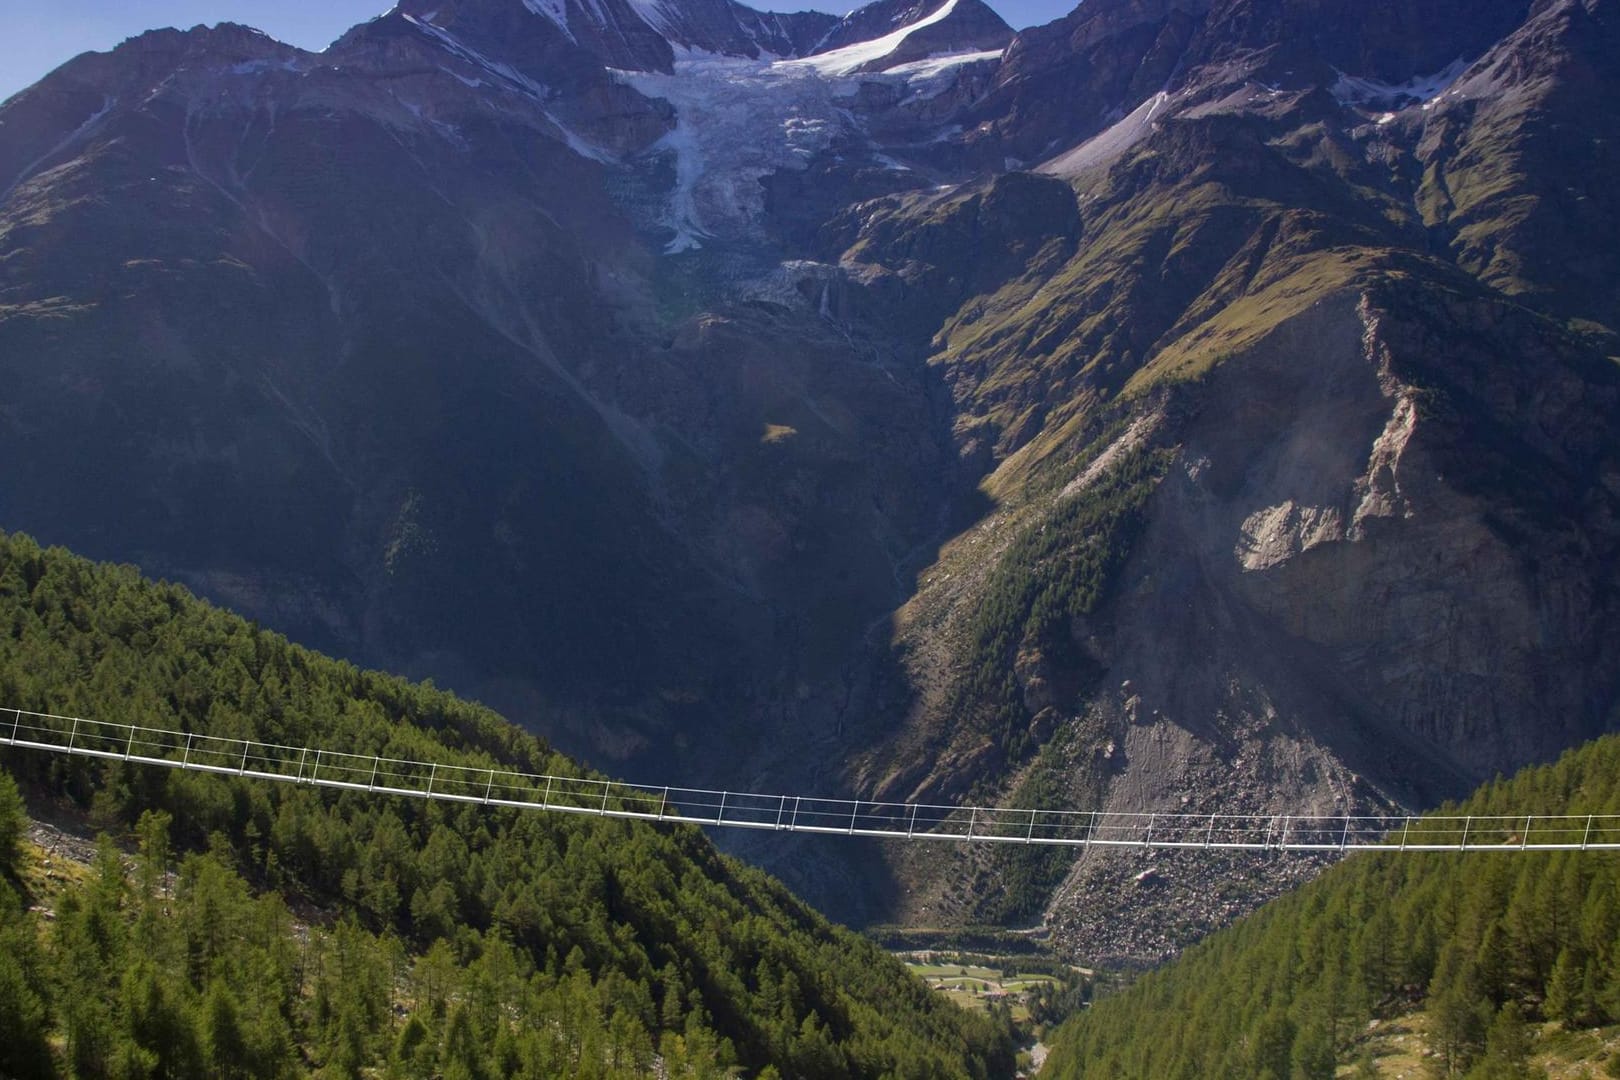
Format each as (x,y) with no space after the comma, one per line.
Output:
(794,813)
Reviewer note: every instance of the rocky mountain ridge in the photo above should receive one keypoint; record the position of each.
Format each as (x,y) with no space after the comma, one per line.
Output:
(1184,405)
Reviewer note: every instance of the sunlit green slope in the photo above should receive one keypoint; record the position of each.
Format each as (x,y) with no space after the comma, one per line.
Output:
(1484,943)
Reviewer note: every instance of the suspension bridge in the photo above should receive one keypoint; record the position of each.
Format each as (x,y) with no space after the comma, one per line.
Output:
(493,786)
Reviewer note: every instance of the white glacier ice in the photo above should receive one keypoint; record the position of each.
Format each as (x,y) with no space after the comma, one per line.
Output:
(850,58)
(738,120)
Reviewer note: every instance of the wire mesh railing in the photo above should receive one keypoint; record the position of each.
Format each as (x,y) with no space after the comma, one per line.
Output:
(494,786)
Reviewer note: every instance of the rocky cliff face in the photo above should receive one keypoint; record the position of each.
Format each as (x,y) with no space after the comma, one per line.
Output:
(1074,77)
(709,390)
(1329,600)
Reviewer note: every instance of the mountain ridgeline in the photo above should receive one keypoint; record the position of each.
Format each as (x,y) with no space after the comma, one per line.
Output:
(304,931)
(1195,405)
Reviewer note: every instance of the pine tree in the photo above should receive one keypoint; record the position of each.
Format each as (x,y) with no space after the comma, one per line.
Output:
(1377,958)
(408,1056)
(462,1059)
(1272,1053)
(158,1020)
(1458,1012)
(1508,1039)
(1492,962)
(1313,1057)
(24,1051)
(13,822)
(225,1046)
(1564,990)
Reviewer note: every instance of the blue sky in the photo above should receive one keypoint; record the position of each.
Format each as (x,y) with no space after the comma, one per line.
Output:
(38,35)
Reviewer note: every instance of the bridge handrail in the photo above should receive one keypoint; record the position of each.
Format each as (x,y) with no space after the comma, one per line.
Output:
(495,786)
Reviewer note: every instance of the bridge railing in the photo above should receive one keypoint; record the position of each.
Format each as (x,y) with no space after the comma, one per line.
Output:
(1081,828)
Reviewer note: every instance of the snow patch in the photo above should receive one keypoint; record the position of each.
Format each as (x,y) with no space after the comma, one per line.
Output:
(555,10)
(471,84)
(847,60)
(515,80)
(1356,91)
(85,125)
(578,144)
(656,14)
(597,14)
(1108,145)
(254,67)
(945,64)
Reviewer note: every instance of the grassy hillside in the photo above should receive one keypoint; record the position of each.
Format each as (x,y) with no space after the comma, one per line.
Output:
(1485,945)
(270,931)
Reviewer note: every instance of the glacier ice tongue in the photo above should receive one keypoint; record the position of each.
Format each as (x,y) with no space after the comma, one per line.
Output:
(739,120)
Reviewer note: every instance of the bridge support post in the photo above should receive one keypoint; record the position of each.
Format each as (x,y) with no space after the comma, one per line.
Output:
(972,817)
(73,734)
(129,747)
(489,788)
(16,723)
(1587,835)
(721,816)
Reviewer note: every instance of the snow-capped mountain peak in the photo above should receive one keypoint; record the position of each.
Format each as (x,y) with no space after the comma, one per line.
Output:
(647,35)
